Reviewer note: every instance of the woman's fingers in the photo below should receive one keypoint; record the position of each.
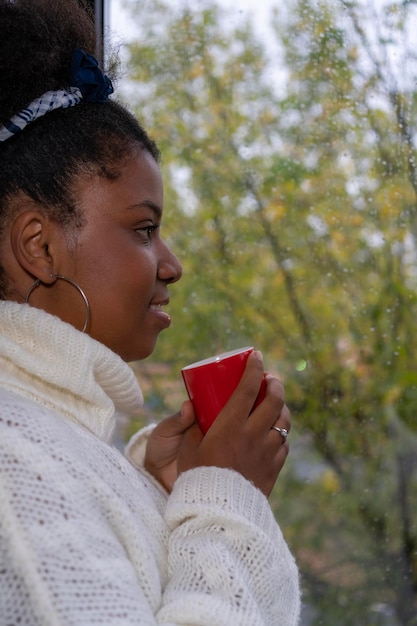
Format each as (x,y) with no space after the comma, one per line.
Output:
(245,441)
(243,398)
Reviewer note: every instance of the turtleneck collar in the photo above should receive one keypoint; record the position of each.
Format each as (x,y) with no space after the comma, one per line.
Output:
(61,368)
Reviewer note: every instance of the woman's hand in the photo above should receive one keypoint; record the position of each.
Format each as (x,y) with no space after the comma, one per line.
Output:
(241,440)
(164,443)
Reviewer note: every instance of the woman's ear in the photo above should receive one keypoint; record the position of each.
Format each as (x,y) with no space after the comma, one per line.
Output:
(33,241)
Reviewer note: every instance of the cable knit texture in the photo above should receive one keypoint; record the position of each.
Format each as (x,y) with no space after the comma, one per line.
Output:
(87,537)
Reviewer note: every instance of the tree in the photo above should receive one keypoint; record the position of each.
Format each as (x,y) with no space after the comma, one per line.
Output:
(294,214)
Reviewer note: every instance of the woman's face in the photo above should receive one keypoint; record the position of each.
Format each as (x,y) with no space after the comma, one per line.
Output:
(121,262)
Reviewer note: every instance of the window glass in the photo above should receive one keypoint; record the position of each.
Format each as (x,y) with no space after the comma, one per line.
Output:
(289,157)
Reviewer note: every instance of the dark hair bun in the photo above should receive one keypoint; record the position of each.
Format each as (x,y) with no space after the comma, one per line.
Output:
(36,44)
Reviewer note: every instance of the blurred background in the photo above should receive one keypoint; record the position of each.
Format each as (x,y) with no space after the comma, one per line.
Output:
(289,143)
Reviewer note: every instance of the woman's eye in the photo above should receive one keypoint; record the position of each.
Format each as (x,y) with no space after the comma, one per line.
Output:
(148,231)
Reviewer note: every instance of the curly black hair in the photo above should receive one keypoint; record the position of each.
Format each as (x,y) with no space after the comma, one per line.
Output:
(44,161)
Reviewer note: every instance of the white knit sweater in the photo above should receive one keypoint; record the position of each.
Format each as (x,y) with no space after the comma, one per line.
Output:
(87,537)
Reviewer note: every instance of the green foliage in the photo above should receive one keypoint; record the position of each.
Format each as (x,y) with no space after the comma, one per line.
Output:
(293,212)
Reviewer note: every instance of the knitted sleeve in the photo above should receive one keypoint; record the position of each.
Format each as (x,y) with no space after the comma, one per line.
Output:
(227,555)
(225,545)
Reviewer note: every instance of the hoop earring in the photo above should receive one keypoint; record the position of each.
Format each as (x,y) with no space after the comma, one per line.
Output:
(74,284)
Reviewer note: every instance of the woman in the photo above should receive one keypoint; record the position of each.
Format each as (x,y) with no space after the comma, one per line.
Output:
(179,531)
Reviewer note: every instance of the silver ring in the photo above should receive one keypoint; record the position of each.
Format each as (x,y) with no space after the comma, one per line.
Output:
(282,431)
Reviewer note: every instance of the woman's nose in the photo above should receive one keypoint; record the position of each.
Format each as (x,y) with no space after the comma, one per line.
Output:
(170,269)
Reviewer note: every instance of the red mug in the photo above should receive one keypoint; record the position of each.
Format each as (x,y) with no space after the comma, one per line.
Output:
(211,382)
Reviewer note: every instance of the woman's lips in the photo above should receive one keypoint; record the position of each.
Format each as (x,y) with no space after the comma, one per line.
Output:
(162,315)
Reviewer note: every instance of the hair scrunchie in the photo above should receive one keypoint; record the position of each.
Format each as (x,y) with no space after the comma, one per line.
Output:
(88,77)
(87,82)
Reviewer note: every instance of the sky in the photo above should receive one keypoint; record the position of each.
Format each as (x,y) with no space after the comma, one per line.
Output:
(123,27)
